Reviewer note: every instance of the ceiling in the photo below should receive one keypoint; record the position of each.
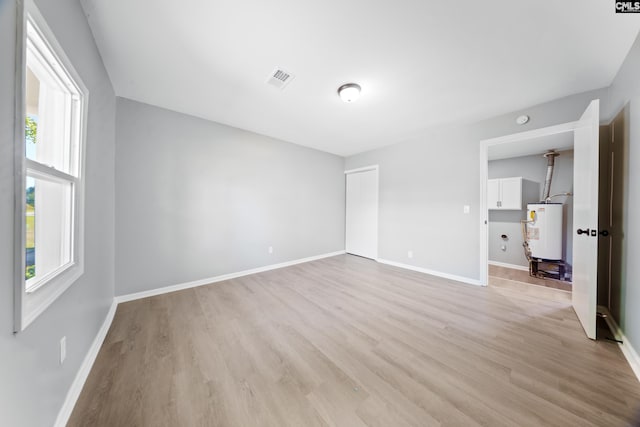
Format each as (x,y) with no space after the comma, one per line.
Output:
(420,63)
(540,145)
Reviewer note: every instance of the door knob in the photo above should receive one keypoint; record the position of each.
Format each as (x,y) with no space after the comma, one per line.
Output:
(604,233)
(580,232)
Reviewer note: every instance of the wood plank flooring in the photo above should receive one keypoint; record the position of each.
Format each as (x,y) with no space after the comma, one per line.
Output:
(345,341)
(523,276)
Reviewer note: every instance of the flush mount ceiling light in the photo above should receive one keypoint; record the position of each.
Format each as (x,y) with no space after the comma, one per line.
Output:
(349,92)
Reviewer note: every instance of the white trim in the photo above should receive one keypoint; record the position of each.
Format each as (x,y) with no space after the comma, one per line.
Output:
(363,169)
(507,265)
(29,305)
(83,373)
(35,302)
(19,235)
(49,173)
(484,176)
(202,282)
(533,134)
(431,272)
(628,351)
(484,214)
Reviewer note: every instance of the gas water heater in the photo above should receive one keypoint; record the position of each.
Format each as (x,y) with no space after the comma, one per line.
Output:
(544,230)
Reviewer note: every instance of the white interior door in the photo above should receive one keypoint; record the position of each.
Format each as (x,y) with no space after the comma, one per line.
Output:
(585,218)
(362,213)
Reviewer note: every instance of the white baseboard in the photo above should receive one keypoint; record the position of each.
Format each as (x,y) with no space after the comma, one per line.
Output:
(432,272)
(507,265)
(628,351)
(85,369)
(202,282)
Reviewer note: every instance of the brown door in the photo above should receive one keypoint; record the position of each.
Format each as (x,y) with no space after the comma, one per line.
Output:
(612,166)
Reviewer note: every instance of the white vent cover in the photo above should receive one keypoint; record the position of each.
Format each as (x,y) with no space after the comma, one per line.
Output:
(279,78)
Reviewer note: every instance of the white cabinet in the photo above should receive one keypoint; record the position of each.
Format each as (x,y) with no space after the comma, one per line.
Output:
(493,194)
(504,194)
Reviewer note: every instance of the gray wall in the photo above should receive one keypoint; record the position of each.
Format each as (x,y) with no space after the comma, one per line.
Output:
(197,199)
(426,181)
(625,90)
(194,198)
(533,169)
(33,384)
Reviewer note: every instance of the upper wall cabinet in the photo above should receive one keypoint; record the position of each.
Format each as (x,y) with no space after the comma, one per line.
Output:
(505,194)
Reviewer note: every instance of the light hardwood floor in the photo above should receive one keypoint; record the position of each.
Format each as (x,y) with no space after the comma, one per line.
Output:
(345,341)
(524,277)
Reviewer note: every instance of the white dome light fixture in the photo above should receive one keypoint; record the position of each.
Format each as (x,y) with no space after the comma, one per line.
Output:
(349,92)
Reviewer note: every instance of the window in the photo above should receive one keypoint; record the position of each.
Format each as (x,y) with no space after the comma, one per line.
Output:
(51,187)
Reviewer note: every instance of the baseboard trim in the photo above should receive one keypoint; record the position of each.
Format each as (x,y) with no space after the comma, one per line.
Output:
(85,368)
(507,265)
(462,279)
(207,281)
(628,351)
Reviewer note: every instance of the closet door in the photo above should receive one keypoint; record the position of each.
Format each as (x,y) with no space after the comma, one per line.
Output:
(362,213)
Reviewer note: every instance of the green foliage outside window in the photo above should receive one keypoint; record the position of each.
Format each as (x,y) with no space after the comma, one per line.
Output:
(31,130)
(31,135)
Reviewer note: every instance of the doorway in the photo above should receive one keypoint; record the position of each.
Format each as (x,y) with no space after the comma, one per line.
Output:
(519,181)
(361,222)
(584,233)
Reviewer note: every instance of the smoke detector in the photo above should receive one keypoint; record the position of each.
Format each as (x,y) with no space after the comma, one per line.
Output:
(522,119)
(279,78)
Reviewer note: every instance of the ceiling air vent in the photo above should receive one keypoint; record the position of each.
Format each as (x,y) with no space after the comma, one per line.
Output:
(279,78)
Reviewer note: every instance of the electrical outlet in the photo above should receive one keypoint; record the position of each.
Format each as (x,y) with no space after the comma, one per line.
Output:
(63,349)
(466,209)
(410,254)
(270,249)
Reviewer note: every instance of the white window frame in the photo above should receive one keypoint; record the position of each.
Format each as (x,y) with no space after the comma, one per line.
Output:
(29,304)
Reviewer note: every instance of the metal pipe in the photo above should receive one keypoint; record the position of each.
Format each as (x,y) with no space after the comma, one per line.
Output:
(550,155)
(548,199)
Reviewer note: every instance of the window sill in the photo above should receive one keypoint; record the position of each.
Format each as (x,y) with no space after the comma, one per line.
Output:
(39,299)
(36,283)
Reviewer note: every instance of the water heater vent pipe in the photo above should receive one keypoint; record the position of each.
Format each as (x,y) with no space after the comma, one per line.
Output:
(551,156)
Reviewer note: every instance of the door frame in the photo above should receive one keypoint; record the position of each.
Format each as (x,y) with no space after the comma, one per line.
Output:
(514,138)
(375,168)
